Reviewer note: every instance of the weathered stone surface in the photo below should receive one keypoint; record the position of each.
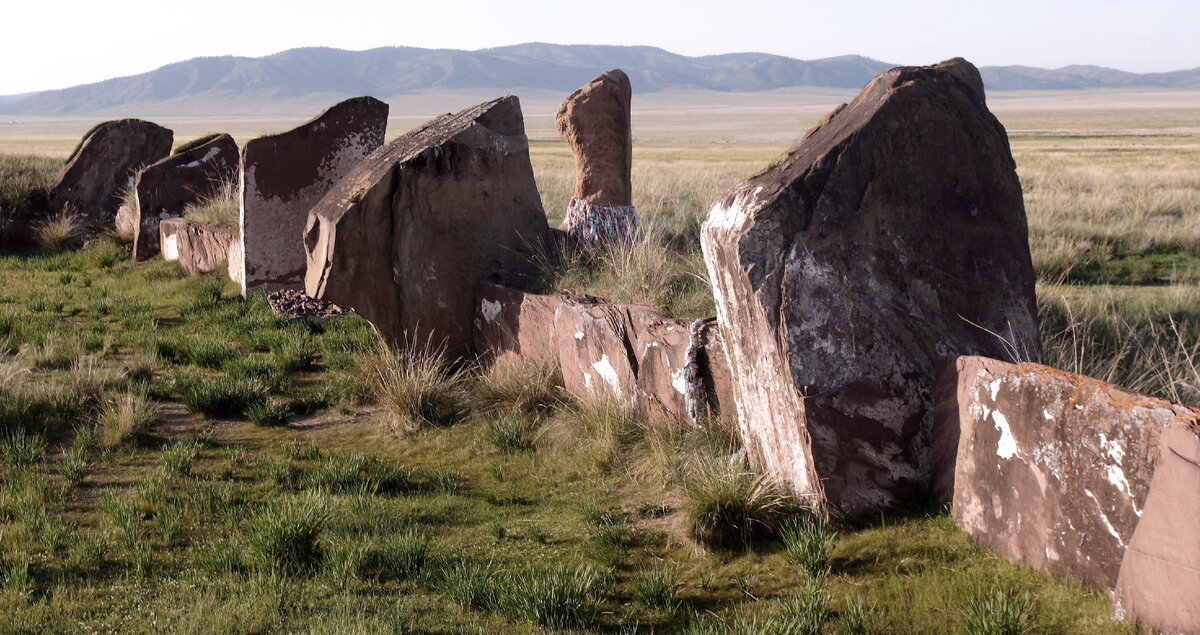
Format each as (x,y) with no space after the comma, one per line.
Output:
(94,179)
(126,223)
(196,246)
(893,234)
(408,234)
(285,175)
(1159,579)
(165,188)
(595,122)
(635,353)
(1052,469)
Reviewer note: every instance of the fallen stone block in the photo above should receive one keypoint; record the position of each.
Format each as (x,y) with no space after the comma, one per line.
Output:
(407,235)
(892,235)
(1050,469)
(167,187)
(285,175)
(94,179)
(196,246)
(1159,579)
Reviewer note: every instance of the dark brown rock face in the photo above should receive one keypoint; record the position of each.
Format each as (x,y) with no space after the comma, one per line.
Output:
(94,179)
(594,121)
(634,353)
(196,246)
(406,236)
(170,185)
(893,234)
(285,175)
(1052,469)
(1159,580)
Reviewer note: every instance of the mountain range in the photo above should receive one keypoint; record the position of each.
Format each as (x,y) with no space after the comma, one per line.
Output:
(244,83)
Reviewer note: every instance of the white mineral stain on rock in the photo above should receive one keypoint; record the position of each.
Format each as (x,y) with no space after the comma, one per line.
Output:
(489,310)
(1104,517)
(679,380)
(994,389)
(606,371)
(1006,448)
(170,248)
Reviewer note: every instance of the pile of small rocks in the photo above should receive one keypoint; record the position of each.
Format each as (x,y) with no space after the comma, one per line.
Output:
(294,303)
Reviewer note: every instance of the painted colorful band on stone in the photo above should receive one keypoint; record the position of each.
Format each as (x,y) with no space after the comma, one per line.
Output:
(696,397)
(592,225)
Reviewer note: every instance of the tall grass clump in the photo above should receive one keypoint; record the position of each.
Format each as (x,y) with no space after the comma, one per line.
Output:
(808,541)
(726,506)
(416,385)
(126,418)
(223,396)
(20,448)
(61,231)
(222,208)
(559,597)
(658,587)
(524,385)
(286,535)
(998,611)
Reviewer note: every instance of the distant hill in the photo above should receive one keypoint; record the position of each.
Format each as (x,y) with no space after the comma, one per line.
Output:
(248,84)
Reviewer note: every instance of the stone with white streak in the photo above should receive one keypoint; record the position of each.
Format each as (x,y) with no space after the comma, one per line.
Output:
(1050,469)
(197,247)
(892,235)
(283,176)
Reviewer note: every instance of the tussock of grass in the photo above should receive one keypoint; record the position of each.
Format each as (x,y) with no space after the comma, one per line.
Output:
(223,396)
(222,209)
(270,413)
(286,535)
(658,587)
(126,419)
(726,506)
(416,385)
(808,541)
(998,611)
(523,385)
(61,231)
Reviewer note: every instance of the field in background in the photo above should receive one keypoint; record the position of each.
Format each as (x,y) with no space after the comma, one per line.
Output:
(334,523)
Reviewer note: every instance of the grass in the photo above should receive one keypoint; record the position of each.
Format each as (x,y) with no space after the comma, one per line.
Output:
(126,419)
(507,506)
(195,143)
(222,209)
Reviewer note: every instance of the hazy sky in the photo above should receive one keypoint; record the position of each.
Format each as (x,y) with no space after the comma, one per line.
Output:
(59,43)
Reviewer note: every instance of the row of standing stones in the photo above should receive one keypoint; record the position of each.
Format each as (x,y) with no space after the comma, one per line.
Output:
(867,285)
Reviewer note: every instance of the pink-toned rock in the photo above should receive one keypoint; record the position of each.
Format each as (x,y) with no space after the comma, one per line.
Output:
(1051,469)
(167,187)
(285,175)
(126,223)
(1159,580)
(893,234)
(407,235)
(103,168)
(634,353)
(196,246)
(595,123)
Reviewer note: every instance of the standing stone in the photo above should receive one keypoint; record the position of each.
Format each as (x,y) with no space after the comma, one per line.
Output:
(197,247)
(1050,469)
(893,234)
(126,223)
(1159,580)
(284,175)
(595,123)
(407,235)
(166,188)
(103,168)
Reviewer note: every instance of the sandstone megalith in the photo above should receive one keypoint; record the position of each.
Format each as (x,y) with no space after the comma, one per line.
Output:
(197,247)
(103,167)
(407,235)
(1048,468)
(595,123)
(167,187)
(893,234)
(284,175)
(1159,579)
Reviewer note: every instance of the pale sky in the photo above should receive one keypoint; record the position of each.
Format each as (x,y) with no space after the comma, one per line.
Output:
(54,44)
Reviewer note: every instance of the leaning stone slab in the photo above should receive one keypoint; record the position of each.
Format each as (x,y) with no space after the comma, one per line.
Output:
(196,246)
(285,175)
(893,234)
(167,187)
(1159,580)
(407,235)
(95,177)
(1051,469)
(634,353)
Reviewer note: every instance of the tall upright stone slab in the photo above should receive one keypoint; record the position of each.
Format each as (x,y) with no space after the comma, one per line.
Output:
(595,123)
(284,175)
(407,235)
(893,234)
(103,168)
(167,187)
